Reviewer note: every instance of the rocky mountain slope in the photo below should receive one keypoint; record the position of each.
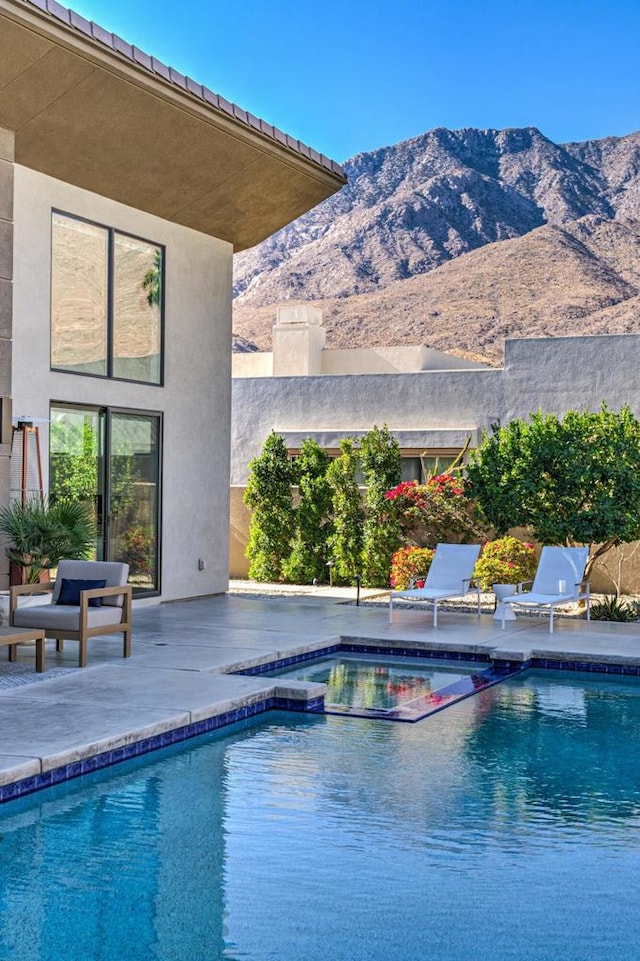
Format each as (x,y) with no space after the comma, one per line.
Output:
(457,239)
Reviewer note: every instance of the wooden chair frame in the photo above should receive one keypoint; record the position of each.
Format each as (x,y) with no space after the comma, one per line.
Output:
(84,632)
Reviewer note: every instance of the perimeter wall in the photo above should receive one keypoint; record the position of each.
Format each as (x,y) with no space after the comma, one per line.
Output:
(434,410)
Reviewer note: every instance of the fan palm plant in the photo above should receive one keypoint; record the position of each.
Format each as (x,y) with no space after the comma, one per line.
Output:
(40,535)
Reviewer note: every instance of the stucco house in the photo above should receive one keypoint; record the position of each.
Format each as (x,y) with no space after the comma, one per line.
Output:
(125,189)
(431,401)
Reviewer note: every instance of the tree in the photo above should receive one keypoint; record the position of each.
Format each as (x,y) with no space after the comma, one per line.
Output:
(269,496)
(345,540)
(307,561)
(74,471)
(382,469)
(151,282)
(571,480)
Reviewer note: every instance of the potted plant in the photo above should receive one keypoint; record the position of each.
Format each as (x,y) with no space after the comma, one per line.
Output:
(40,535)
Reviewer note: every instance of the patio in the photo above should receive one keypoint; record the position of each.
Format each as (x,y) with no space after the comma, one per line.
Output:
(175,677)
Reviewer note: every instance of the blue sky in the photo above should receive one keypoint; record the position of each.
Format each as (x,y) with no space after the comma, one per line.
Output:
(347,77)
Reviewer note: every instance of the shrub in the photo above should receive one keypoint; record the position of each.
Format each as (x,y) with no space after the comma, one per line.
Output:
(41,534)
(307,561)
(268,494)
(613,609)
(505,561)
(439,511)
(382,467)
(139,550)
(345,540)
(571,480)
(410,562)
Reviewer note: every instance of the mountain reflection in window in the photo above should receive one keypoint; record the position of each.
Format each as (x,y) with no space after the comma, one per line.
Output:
(79,296)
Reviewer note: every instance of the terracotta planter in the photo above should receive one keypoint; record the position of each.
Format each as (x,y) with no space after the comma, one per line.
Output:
(15,576)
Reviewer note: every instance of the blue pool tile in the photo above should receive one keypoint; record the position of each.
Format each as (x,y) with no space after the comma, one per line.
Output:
(354,647)
(11,791)
(90,764)
(70,770)
(589,667)
(282,662)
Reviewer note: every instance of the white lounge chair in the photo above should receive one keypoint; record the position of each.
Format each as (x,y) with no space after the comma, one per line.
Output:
(450,575)
(559,580)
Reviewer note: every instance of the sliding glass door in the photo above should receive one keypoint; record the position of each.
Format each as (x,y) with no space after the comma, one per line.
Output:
(133,501)
(110,459)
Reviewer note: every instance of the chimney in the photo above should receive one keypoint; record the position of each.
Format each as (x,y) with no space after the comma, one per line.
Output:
(298,342)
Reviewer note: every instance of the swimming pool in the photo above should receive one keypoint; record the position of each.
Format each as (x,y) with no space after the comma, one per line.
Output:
(503,828)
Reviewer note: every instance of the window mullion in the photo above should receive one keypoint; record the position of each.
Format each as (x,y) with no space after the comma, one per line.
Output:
(110,301)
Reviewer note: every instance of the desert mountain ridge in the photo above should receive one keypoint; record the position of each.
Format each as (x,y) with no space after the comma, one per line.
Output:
(458,239)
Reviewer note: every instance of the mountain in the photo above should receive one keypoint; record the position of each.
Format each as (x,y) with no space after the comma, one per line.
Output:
(457,239)
(240,345)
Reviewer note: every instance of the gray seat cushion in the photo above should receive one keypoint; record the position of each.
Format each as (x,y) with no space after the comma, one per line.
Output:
(113,573)
(64,618)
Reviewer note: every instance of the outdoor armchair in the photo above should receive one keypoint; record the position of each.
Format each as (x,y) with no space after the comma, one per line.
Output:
(559,580)
(89,598)
(450,575)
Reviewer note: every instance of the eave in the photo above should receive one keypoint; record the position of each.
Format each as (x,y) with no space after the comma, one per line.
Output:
(91,110)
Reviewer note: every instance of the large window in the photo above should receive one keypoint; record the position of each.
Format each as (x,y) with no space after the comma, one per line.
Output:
(110,459)
(106,302)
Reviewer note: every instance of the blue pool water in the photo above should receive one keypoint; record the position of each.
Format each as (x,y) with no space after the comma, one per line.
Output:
(504,828)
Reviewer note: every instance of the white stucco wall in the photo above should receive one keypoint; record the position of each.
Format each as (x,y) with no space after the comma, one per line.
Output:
(564,373)
(360,360)
(195,399)
(297,349)
(254,364)
(437,404)
(382,360)
(554,374)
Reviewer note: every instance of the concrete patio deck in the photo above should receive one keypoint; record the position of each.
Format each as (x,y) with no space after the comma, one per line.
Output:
(175,676)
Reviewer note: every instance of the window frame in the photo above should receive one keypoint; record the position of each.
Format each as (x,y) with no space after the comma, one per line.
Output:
(107,411)
(110,301)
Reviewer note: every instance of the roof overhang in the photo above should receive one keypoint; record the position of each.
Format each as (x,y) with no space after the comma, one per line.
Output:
(93,111)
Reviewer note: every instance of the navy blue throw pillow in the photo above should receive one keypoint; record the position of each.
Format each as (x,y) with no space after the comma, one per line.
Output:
(70,592)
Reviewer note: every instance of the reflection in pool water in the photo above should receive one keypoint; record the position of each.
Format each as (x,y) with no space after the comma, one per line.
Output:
(364,681)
